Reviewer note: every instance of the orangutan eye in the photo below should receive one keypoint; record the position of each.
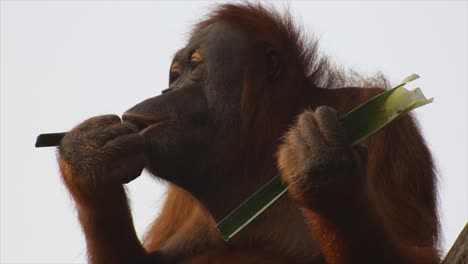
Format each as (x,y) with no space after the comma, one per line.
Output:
(174,72)
(196,59)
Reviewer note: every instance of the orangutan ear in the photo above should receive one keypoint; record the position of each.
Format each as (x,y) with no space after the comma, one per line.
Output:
(272,63)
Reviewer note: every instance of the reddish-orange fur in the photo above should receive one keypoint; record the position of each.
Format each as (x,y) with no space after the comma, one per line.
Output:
(393,219)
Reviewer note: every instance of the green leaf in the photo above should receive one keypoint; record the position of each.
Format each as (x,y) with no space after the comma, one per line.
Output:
(251,208)
(360,123)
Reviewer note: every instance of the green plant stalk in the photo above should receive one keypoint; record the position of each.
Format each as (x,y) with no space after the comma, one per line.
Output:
(360,123)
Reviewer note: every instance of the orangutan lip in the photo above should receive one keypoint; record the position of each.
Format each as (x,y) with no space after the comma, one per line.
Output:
(149,128)
(144,123)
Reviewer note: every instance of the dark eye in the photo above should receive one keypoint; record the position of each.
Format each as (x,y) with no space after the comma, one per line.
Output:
(173,76)
(194,64)
(196,59)
(174,73)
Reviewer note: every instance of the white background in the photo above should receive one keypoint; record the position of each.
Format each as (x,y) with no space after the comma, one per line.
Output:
(64,61)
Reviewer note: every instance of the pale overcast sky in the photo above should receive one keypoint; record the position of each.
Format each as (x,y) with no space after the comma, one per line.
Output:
(65,61)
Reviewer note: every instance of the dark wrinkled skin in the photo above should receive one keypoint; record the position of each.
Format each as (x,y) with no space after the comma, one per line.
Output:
(202,112)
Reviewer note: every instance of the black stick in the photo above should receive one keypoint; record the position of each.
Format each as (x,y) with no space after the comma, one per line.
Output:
(49,140)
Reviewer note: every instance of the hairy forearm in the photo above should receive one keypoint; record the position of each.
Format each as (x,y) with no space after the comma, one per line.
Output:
(106,220)
(108,227)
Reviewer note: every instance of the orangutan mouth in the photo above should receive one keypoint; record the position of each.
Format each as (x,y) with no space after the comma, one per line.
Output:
(144,123)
